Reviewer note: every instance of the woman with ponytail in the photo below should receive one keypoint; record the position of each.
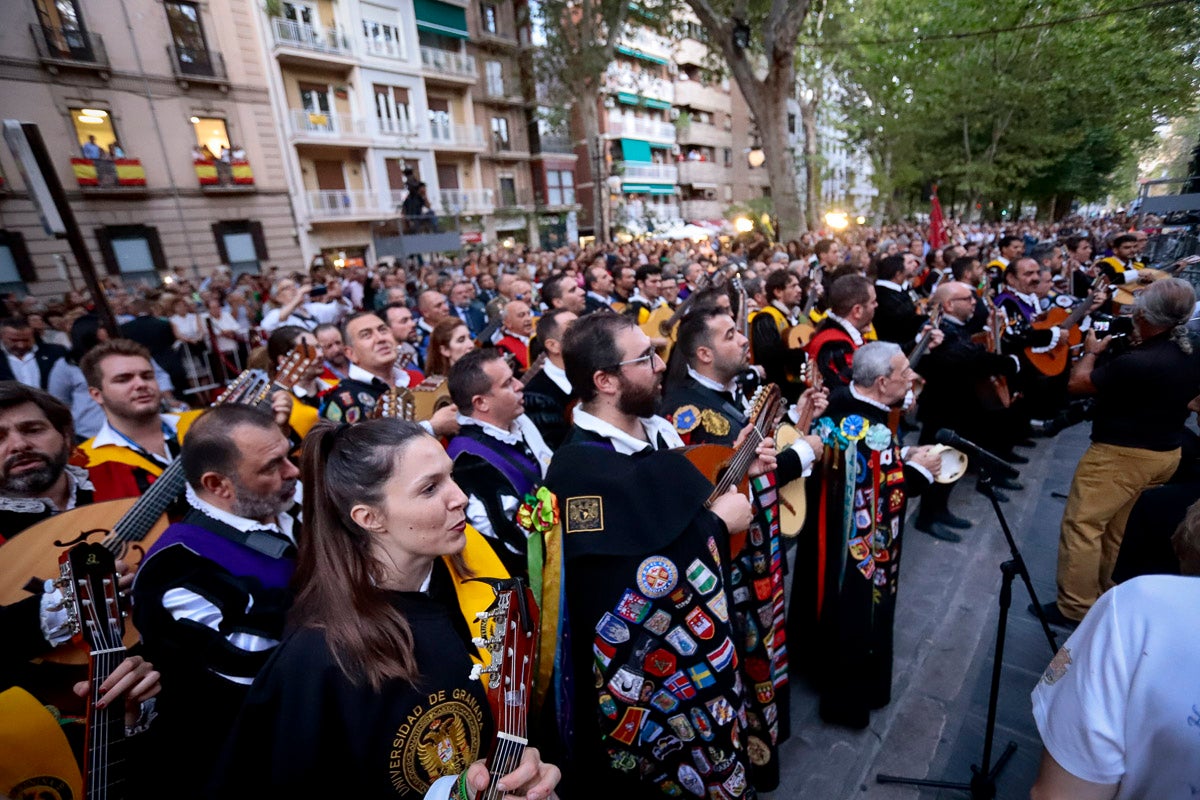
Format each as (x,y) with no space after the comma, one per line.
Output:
(1142,394)
(371,694)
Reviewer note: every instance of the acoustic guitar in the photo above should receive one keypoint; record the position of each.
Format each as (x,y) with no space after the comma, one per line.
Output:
(508,630)
(1053,362)
(793,497)
(1127,293)
(96,613)
(127,528)
(797,336)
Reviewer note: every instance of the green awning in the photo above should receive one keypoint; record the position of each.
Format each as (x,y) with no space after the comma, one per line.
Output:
(628,98)
(661,146)
(633,53)
(635,150)
(650,102)
(441,18)
(647,188)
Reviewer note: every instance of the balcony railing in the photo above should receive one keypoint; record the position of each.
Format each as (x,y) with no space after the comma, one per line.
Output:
(109,174)
(556,143)
(444,62)
(663,212)
(451,134)
(627,81)
(379,46)
(641,128)
(556,196)
(700,95)
(66,47)
(216,174)
(703,209)
(402,126)
(659,173)
(712,172)
(197,64)
(297,34)
(322,125)
(467,201)
(334,203)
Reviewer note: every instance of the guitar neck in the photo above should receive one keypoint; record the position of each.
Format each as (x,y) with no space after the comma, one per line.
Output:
(139,519)
(104,773)
(739,465)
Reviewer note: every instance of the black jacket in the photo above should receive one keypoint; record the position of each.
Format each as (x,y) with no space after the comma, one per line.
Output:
(953,372)
(546,407)
(896,319)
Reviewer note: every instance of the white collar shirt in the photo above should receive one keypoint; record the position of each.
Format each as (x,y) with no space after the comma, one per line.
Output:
(621,441)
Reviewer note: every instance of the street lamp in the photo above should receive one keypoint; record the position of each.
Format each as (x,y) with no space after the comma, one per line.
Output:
(838,220)
(755,156)
(743,224)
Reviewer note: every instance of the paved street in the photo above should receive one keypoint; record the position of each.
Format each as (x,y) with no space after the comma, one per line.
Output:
(945,634)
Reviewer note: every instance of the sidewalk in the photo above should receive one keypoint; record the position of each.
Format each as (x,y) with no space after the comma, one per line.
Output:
(945,632)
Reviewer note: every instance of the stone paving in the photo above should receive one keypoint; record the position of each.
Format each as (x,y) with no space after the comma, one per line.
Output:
(944,638)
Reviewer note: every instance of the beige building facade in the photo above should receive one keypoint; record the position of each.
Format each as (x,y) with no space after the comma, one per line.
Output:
(157,118)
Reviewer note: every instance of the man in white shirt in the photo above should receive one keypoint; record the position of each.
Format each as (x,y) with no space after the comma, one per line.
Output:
(548,392)
(24,360)
(293,306)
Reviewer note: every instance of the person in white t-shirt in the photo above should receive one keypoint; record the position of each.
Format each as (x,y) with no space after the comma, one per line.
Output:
(1118,708)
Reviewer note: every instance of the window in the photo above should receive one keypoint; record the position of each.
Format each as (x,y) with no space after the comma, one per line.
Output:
(211,136)
(791,123)
(392,109)
(727,156)
(508,192)
(93,126)
(500,133)
(16,268)
(133,251)
(301,13)
(240,244)
(382,38)
(560,188)
(190,51)
(494,72)
(314,99)
(491,22)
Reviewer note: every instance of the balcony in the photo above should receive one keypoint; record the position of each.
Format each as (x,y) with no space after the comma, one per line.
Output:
(502,37)
(317,127)
(304,45)
(217,176)
(382,47)
(402,126)
(448,66)
(192,65)
(634,172)
(459,202)
(703,210)
(510,148)
(109,176)
(450,136)
(710,97)
(515,199)
(639,88)
(699,133)
(556,143)
(556,199)
(60,48)
(642,43)
(338,205)
(503,92)
(404,238)
(703,173)
(635,128)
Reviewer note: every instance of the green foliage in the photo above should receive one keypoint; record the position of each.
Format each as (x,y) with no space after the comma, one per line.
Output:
(1056,108)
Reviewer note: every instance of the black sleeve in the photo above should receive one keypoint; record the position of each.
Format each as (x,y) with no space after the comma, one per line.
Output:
(914,482)
(478,478)
(771,352)
(1115,278)
(548,417)
(21,627)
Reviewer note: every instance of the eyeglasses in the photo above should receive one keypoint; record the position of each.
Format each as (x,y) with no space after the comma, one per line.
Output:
(648,358)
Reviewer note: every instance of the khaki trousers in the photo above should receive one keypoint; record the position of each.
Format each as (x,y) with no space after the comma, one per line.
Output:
(1107,482)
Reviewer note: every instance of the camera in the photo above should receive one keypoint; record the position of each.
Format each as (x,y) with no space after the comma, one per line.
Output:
(319,290)
(1109,325)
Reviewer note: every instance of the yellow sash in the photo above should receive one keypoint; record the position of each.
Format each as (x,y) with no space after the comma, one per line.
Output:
(124,455)
(476,596)
(35,758)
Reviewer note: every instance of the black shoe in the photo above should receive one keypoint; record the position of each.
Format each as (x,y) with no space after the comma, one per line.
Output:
(1013,458)
(1054,616)
(1042,428)
(951,521)
(938,531)
(1026,443)
(1001,496)
(1008,484)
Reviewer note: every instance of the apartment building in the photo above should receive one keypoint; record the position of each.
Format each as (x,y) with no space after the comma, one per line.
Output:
(156,115)
(846,169)
(704,118)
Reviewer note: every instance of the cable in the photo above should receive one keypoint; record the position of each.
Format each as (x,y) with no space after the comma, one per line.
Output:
(933,37)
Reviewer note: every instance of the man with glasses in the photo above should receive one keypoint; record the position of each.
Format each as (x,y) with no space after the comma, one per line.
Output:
(959,395)
(649,592)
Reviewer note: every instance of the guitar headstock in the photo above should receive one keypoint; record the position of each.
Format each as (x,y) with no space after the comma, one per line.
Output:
(248,388)
(766,408)
(299,360)
(395,403)
(88,581)
(508,630)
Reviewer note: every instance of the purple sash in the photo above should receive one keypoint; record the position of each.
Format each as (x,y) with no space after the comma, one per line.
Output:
(520,470)
(237,559)
(1022,306)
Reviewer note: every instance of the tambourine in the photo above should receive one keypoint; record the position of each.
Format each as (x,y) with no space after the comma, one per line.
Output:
(953,463)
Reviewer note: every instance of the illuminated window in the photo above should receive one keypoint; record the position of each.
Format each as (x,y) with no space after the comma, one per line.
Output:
(93,122)
(211,135)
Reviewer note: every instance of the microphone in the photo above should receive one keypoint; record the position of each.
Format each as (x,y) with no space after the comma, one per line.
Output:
(994,463)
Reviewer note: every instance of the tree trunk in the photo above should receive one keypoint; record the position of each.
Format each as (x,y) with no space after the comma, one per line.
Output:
(590,117)
(771,118)
(812,165)
(1062,206)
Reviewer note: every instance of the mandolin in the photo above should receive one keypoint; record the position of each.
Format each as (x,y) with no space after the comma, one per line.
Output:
(793,500)
(509,632)
(1054,362)
(128,527)
(96,614)
(1126,294)
(797,336)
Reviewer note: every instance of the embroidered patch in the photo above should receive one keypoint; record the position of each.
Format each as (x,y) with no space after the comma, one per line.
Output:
(700,623)
(333,412)
(633,607)
(584,515)
(701,577)
(681,728)
(714,422)
(735,784)
(859,549)
(631,722)
(701,676)
(685,645)
(627,685)
(691,780)
(664,702)
(657,576)
(679,685)
(608,706)
(658,623)
(353,414)
(1058,667)
(759,752)
(660,663)
(612,629)
(604,652)
(723,656)
(702,723)
(366,398)
(719,606)
(686,418)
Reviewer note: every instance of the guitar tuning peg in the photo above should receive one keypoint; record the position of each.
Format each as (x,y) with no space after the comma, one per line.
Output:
(479,641)
(481,615)
(476,672)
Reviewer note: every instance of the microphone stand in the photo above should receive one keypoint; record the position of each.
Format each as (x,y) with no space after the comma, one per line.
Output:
(982,785)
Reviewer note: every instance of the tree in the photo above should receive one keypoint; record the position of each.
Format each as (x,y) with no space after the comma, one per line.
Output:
(730,23)
(580,39)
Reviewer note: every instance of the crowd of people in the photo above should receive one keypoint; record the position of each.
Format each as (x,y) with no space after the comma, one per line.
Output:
(305,623)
